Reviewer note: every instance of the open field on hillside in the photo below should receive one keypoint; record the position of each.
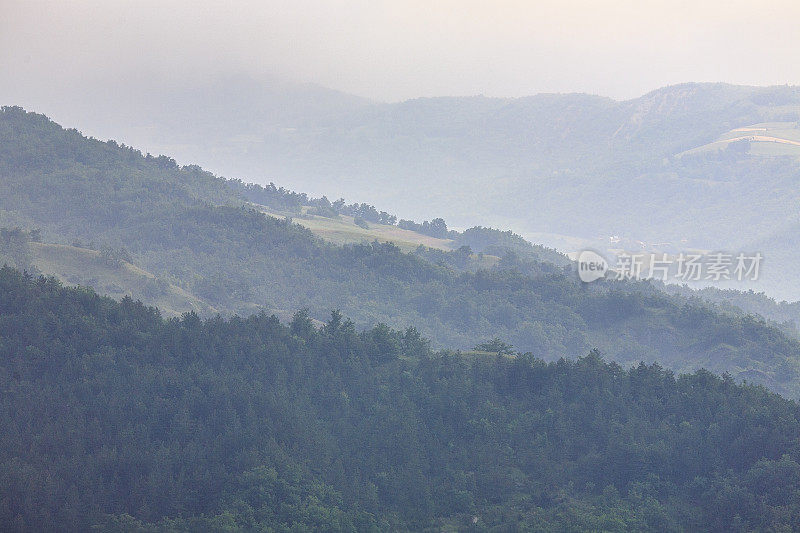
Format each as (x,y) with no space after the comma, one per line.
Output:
(343,230)
(80,266)
(767,138)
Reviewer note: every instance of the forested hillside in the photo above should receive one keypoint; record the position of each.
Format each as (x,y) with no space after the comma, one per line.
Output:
(783,313)
(188,229)
(399,266)
(113,417)
(552,166)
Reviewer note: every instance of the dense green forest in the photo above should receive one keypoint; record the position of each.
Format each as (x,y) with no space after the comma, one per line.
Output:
(192,231)
(116,418)
(783,313)
(427,298)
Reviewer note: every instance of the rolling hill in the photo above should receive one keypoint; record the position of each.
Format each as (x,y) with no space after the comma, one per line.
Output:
(567,170)
(197,233)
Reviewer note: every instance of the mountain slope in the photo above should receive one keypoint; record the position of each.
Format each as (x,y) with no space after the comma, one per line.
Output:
(116,419)
(569,168)
(189,228)
(114,277)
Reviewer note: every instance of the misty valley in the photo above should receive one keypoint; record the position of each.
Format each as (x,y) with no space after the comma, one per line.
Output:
(302,363)
(339,266)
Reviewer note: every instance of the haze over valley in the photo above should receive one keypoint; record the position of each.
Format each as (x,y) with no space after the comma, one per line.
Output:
(686,167)
(399,266)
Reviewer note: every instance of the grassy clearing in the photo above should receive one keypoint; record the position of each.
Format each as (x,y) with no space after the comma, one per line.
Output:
(766,139)
(79,266)
(343,230)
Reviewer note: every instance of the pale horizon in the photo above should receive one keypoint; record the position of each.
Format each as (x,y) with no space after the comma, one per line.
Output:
(394,51)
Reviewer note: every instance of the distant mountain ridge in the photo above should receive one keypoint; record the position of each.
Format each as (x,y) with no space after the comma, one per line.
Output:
(567,170)
(190,231)
(247,120)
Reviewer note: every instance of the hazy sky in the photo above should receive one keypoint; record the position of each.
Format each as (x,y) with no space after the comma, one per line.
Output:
(390,50)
